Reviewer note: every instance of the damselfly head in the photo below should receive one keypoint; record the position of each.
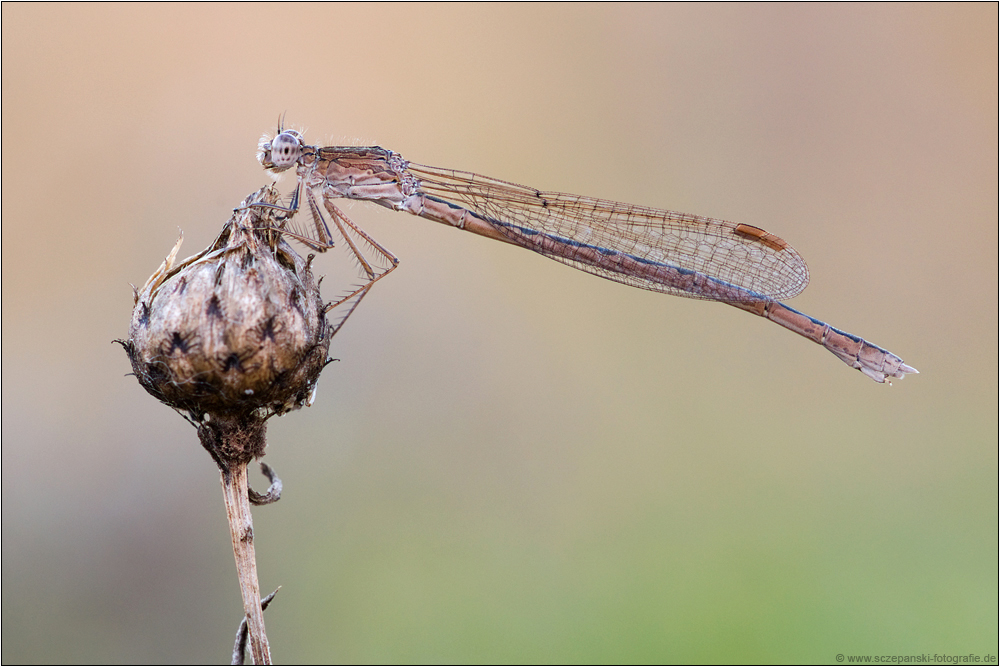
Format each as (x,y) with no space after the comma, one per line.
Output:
(281,152)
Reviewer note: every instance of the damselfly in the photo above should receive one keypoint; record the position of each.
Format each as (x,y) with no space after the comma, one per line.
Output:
(665,251)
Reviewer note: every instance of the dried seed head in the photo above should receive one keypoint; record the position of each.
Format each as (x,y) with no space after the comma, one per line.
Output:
(236,333)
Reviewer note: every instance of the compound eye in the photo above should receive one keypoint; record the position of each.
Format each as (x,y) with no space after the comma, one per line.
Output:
(286,149)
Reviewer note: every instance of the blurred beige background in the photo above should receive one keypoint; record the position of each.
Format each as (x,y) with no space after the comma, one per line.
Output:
(514,461)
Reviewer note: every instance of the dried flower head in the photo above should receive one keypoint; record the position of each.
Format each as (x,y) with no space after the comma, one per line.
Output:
(236,333)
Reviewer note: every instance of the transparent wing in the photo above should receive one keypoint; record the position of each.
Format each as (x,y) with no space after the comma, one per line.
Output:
(736,254)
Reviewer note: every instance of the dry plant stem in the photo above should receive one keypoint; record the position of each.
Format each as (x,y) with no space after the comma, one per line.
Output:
(234,491)
(229,338)
(240,648)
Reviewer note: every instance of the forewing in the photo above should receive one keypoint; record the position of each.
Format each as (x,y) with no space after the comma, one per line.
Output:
(741,255)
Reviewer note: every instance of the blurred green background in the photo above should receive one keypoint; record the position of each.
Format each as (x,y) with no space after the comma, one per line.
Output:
(514,461)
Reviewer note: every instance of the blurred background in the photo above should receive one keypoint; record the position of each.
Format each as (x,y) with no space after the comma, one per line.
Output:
(514,461)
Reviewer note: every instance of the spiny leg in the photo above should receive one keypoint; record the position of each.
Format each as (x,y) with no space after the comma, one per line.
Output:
(374,271)
(316,238)
(320,238)
(291,209)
